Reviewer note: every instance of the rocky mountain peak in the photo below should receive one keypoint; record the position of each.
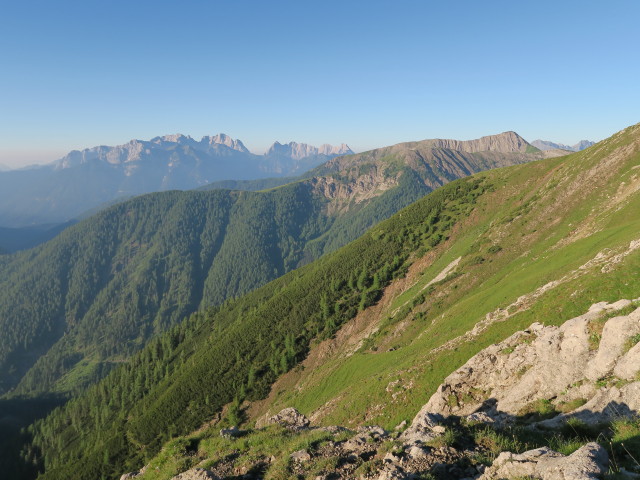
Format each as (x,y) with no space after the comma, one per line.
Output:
(226,140)
(506,142)
(299,151)
(547,145)
(173,138)
(342,149)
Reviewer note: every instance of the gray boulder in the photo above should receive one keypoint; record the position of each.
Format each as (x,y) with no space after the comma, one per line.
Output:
(232,432)
(589,462)
(196,474)
(300,456)
(289,418)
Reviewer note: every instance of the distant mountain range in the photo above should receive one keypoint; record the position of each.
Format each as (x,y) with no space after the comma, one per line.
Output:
(85,179)
(547,145)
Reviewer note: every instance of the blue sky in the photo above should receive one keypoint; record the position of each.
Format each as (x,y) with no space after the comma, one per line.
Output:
(75,74)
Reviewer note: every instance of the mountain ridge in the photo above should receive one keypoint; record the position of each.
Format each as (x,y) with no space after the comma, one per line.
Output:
(506,142)
(85,179)
(267,233)
(547,145)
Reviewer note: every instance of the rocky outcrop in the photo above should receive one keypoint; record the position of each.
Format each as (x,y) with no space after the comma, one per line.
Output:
(359,188)
(196,474)
(506,142)
(288,418)
(231,432)
(298,151)
(587,368)
(589,462)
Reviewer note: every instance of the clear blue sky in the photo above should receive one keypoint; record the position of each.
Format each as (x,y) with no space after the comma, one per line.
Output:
(75,74)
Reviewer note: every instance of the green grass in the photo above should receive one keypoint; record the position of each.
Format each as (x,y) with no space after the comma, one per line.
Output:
(571,405)
(208,450)
(632,342)
(528,259)
(625,443)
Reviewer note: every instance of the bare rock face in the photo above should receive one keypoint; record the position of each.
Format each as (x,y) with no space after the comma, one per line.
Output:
(572,368)
(503,142)
(129,476)
(196,474)
(364,437)
(615,335)
(425,427)
(589,462)
(289,418)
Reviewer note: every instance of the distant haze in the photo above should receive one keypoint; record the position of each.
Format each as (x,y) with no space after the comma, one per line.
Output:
(22,158)
(85,179)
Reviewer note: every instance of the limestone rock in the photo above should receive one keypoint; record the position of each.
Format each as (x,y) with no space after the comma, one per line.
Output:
(373,431)
(421,429)
(393,472)
(391,457)
(543,363)
(300,456)
(365,439)
(628,366)
(503,142)
(196,474)
(289,418)
(589,462)
(606,405)
(416,451)
(615,335)
(232,432)
(130,475)
(401,426)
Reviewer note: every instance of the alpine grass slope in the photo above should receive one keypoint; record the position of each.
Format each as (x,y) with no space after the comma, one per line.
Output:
(542,243)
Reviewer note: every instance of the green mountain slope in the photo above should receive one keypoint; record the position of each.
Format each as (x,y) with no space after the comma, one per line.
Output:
(549,240)
(84,302)
(411,301)
(15,239)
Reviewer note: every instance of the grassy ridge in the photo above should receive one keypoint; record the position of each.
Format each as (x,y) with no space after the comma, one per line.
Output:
(548,219)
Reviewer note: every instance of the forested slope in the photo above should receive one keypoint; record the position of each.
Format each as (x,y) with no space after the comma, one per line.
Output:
(85,301)
(183,377)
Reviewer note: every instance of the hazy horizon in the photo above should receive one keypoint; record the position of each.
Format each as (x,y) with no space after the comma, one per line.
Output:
(77,75)
(23,158)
